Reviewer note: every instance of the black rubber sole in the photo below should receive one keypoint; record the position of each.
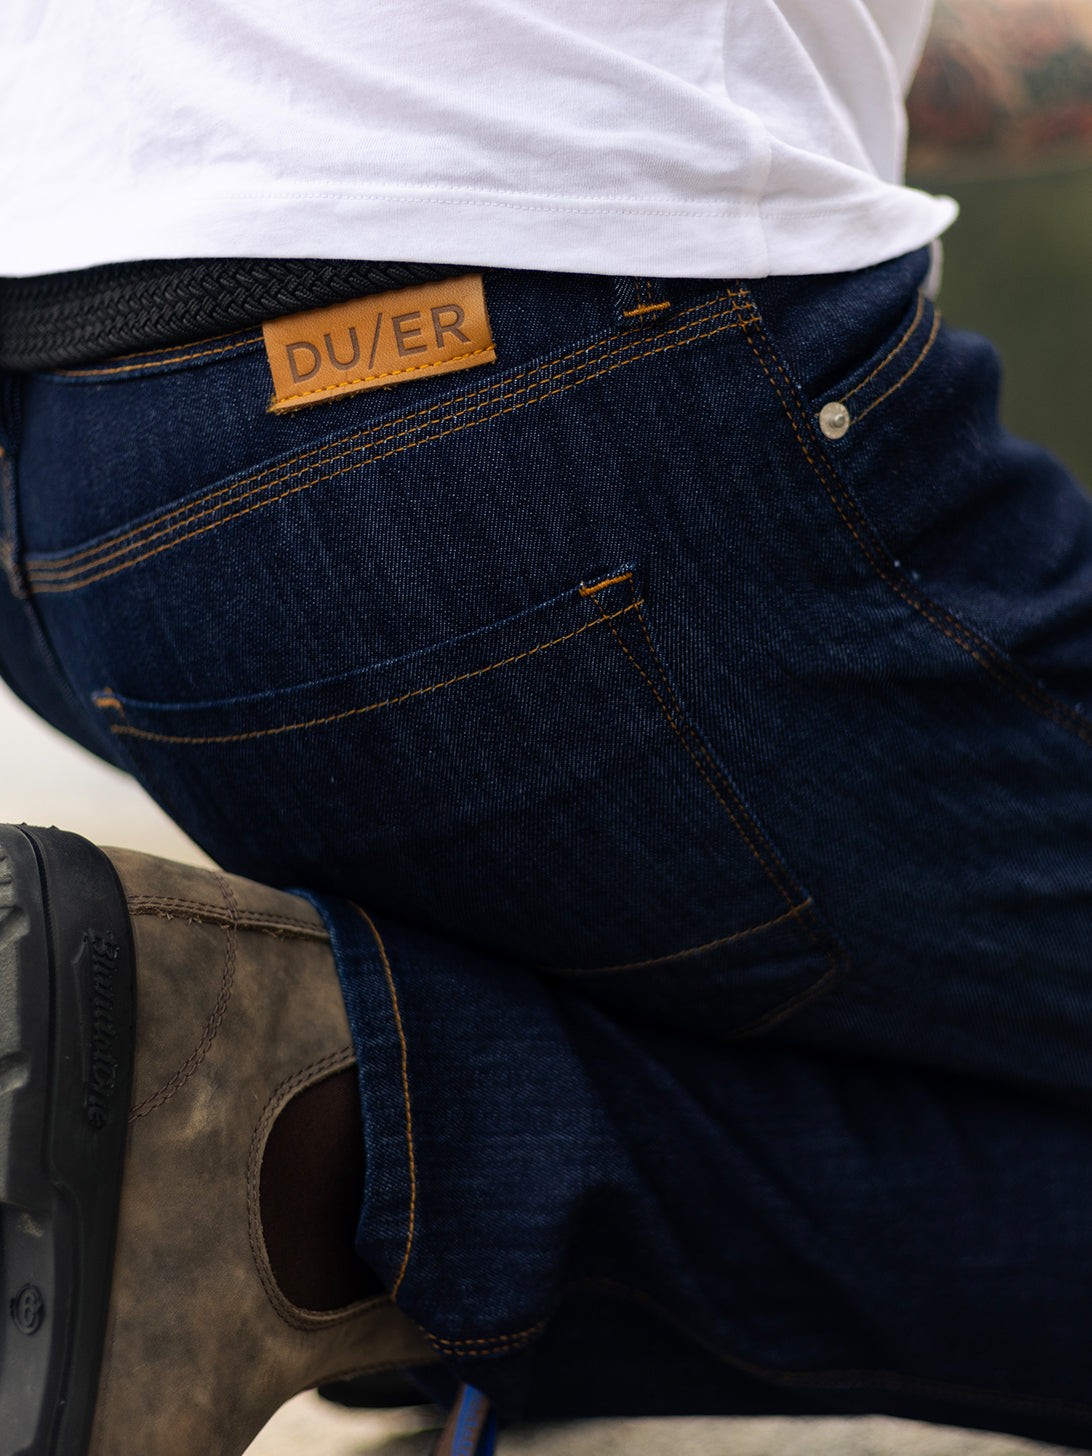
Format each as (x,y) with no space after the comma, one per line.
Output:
(66,1039)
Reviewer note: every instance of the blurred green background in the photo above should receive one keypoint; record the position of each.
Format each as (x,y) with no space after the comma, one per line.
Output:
(1018,268)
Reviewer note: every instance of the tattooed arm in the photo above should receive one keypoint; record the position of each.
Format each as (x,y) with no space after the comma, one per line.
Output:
(1004,86)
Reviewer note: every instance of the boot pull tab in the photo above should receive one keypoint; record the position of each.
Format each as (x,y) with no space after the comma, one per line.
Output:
(471,1428)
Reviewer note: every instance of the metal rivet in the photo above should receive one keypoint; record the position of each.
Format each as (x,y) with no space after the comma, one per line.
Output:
(834,420)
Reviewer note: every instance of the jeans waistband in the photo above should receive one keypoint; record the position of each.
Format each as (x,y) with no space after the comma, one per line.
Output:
(55,320)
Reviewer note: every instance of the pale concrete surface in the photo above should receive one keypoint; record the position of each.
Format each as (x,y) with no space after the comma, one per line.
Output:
(44,779)
(308,1426)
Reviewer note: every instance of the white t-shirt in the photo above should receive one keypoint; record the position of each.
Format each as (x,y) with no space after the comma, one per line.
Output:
(687,138)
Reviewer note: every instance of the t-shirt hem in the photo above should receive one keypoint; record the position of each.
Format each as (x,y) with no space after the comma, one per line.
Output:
(744,239)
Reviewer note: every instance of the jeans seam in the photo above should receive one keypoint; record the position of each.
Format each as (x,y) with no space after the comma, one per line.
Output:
(157,362)
(443,365)
(12,562)
(678,955)
(272,474)
(929,342)
(785,890)
(49,576)
(411,1226)
(998,667)
(799,902)
(357,437)
(448,1347)
(494,1344)
(125,730)
(590,591)
(838,964)
(9,536)
(903,341)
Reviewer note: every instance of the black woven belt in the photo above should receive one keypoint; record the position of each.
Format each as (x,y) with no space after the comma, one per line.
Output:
(57,319)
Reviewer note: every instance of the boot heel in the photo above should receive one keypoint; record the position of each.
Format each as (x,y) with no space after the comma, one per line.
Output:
(66,1028)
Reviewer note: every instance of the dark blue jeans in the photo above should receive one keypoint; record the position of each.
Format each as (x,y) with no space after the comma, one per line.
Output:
(701,807)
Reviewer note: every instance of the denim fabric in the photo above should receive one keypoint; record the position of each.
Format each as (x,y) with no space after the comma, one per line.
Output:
(699,806)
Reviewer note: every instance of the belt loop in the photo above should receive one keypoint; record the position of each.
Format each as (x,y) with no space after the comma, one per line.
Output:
(10,410)
(10,404)
(640,301)
(10,562)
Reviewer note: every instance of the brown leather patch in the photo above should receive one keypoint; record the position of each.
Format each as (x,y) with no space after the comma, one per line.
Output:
(386,338)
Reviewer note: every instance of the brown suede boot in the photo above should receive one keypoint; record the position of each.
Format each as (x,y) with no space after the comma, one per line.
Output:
(154,1021)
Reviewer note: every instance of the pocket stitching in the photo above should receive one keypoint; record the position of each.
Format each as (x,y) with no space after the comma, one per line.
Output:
(876,377)
(930,341)
(791,893)
(801,907)
(404,1065)
(472,399)
(97,371)
(906,337)
(109,700)
(678,955)
(51,574)
(838,962)
(992,661)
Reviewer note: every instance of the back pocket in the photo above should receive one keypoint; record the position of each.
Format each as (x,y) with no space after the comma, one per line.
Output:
(533,788)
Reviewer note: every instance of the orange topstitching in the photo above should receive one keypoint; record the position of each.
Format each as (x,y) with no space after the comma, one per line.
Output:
(44,582)
(590,591)
(678,955)
(790,893)
(1003,672)
(132,539)
(474,400)
(404,1056)
(152,363)
(896,350)
(346,384)
(929,342)
(837,960)
(645,308)
(483,1346)
(385,428)
(47,578)
(127,731)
